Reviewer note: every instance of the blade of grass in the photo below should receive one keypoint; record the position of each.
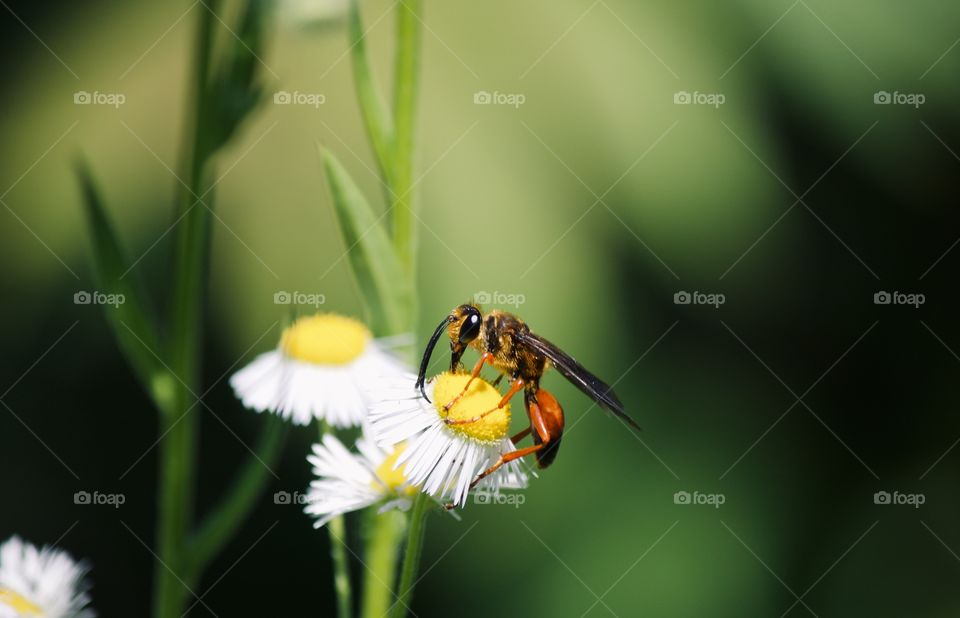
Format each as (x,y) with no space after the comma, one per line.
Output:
(406,86)
(133,327)
(376,118)
(383,284)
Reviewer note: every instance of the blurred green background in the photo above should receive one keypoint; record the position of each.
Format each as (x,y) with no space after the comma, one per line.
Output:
(596,201)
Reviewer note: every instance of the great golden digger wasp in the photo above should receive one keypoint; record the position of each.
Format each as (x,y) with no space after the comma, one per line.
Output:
(505,342)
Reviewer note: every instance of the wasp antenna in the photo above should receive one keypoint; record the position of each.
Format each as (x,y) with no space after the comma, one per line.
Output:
(421,377)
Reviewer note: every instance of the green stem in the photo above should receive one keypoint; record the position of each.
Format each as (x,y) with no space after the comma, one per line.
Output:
(337,529)
(383,538)
(341,566)
(411,556)
(175,508)
(406,84)
(179,423)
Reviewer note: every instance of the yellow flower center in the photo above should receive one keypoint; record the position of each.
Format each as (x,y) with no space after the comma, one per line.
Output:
(474,406)
(325,339)
(15,601)
(394,479)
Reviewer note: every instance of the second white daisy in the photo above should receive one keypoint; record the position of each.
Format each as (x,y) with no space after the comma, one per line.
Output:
(320,370)
(348,481)
(444,459)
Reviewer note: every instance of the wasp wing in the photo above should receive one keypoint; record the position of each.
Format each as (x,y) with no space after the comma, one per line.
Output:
(579,376)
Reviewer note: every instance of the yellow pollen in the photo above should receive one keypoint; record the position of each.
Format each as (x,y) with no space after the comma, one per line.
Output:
(15,601)
(394,479)
(325,339)
(480,398)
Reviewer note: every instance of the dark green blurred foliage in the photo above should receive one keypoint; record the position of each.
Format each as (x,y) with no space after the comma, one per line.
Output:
(693,188)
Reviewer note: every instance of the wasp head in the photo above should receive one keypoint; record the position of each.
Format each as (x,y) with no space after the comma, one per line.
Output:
(463,327)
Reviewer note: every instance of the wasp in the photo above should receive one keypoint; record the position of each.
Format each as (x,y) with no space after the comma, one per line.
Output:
(505,342)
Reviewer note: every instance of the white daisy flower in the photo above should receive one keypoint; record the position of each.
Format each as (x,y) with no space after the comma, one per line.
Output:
(444,459)
(41,582)
(319,370)
(348,481)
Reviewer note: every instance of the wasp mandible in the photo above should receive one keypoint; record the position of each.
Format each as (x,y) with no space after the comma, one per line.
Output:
(506,342)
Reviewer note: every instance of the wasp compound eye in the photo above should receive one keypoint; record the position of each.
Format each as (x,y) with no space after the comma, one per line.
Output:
(470,328)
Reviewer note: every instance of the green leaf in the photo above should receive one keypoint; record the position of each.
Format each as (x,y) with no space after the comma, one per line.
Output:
(383,283)
(135,332)
(234,91)
(376,118)
(405,83)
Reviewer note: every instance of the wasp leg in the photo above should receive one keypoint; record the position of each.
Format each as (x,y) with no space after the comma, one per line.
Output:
(496,382)
(515,387)
(521,435)
(504,459)
(486,357)
(537,423)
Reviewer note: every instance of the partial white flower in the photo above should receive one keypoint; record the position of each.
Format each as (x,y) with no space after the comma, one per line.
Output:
(320,369)
(312,13)
(348,481)
(444,459)
(43,582)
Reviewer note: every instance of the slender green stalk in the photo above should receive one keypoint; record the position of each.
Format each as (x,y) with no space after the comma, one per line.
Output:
(406,86)
(337,529)
(176,506)
(384,533)
(411,556)
(178,426)
(341,566)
